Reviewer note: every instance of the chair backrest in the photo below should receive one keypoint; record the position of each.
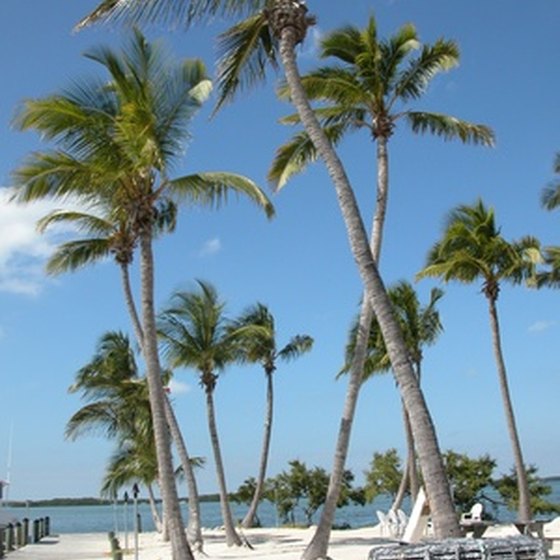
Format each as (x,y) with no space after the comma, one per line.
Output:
(476,511)
(418,519)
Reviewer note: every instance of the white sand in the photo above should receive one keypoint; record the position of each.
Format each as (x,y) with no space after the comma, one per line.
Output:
(269,544)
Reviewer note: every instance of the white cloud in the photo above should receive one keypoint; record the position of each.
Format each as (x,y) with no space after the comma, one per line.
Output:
(310,48)
(540,326)
(211,247)
(23,251)
(178,387)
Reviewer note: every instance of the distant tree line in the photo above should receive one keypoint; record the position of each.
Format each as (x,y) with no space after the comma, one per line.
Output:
(303,490)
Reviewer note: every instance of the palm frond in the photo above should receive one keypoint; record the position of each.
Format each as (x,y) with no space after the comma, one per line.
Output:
(441,56)
(344,43)
(245,52)
(55,175)
(80,220)
(73,255)
(294,156)
(298,345)
(213,188)
(450,128)
(550,197)
(171,13)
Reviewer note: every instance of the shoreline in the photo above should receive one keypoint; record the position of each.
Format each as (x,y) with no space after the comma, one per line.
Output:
(267,543)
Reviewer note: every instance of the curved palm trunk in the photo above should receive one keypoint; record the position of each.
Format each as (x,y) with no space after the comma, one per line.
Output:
(248,520)
(524,507)
(358,360)
(232,538)
(130,305)
(171,510)
(437,487)
(194,531)
(410,475)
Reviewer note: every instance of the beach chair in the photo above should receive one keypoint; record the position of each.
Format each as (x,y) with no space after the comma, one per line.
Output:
(474,515)
(383,523)
(418,520)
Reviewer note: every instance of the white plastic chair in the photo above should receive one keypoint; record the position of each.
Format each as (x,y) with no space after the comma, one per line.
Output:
(475,513)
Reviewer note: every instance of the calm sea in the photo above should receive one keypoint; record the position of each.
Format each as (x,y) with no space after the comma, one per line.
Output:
(104,518)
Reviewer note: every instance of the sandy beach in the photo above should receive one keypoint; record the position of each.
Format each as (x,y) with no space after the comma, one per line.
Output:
(267,543)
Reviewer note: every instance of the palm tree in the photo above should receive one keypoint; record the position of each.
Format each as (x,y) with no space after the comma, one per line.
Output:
(269,36)
(195,334)
(131,463)
(421,326)
(101,238)
(116,144)
(472,248)
(369,87)
(262,349)
(118,406)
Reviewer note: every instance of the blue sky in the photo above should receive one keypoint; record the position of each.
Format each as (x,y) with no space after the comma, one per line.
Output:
(299,264)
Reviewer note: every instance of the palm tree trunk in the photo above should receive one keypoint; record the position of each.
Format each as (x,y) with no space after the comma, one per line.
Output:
(524,506)
(130,305)
(248,520)
(437,487)
(232,538)
(194,531)
(409,476)
(360,354)
(172,513)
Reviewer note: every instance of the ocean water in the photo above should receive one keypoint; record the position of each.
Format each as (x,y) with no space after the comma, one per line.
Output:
(104,518)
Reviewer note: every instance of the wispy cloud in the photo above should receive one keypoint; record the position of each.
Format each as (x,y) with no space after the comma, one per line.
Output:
(178,387)
(23,251)
(540,326)
(211,247)
(310,48)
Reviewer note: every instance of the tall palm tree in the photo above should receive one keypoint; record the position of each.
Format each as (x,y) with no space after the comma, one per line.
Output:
(102,238)
(267,37)
(421,326)
(116,143)
(473,249)
(195,334)
(262,348)
(370,86)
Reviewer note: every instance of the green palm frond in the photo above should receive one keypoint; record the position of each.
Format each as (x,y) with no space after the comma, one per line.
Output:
(333,84)
(80,220)
(345,43)
(167,12)
(297,346)
(94,418)
(213,188)
(244,53)
(390,54)
(550,277)
(441,56)
(450,128)
(294,156)
(73,255)
(54,175)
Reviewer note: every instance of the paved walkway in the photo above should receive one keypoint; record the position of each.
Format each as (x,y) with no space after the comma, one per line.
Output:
(66,547)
